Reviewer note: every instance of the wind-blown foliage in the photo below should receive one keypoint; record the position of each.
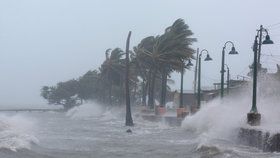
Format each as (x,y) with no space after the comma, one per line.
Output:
(64,93)
(151,62)
(165,53)
(112,71)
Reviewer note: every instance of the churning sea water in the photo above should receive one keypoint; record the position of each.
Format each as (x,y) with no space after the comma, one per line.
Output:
(89,131)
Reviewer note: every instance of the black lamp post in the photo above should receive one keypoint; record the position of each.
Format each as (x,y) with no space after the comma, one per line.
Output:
(182,79)
(228,79)
(208,58)
(253,117)
(232,52)
(266,41)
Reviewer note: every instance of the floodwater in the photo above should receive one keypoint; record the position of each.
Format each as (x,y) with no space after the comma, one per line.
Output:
(82,133)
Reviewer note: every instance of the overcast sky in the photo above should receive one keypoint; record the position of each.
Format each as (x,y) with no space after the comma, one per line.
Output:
(43,42)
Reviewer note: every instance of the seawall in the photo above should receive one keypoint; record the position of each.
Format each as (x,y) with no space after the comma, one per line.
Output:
(260,139)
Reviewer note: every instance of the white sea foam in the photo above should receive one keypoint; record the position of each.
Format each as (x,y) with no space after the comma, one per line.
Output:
(221,120)
(16,132)
(218,120)
(269,109)
(86,111)
(109,115)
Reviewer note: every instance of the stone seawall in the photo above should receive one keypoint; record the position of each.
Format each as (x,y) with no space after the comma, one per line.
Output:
(260,139)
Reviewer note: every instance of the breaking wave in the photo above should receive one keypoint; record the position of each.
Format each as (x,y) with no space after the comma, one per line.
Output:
(220,120)
(86,111)
(94,110)
(16,132)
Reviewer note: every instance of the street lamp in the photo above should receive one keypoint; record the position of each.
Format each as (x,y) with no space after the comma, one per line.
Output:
(208,58)
(232,52)
(181,111)
(182,78)
(266,41)
(253,117)
(228,77)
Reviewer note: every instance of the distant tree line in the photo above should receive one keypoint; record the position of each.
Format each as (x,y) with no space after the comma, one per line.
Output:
(151,63)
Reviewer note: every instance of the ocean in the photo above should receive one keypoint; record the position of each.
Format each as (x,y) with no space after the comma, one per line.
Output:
(89,131)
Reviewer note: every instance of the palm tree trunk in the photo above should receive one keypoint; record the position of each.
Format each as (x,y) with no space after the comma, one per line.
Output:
(135,93)
(151,102)
(110,93)
(149,85)
(128,118)
(122,91)
(163,88)
(144,93)
(181,89)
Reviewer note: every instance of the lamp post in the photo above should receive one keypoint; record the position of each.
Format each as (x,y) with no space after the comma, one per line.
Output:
(181,111)
(232,52)
(266,41)
(208,58)
(182,81)
(253,117)
(181,88)
(228,77)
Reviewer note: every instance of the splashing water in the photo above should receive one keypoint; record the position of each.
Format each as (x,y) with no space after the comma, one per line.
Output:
(85,111)
(222,119)
(217,120)
(16,132)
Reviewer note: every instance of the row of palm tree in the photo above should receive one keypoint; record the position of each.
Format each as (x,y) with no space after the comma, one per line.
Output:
(151,63)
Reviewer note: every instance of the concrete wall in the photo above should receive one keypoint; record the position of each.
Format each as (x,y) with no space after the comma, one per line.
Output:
(259,139)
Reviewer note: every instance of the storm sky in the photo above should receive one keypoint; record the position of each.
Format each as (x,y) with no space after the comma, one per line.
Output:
(43,42)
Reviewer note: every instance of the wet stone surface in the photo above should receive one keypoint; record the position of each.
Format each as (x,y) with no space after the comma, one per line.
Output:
(259,139)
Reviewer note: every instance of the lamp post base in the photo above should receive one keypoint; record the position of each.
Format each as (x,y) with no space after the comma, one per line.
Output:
(254,119)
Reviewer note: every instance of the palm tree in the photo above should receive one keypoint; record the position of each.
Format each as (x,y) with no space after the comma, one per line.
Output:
(141,64)
(128,119)
(112,70)
(166,52)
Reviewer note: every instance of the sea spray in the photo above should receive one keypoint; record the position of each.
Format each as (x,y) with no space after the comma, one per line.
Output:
(218,119)
(94,110)
(269,108)
(86,111)
(16,132)
(114,116)
(222,119)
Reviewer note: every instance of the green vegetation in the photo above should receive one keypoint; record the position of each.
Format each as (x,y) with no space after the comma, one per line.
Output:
(151,62)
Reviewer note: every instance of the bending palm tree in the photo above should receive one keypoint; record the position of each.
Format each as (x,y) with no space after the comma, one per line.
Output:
(128,119)
(112,69)
(166,54)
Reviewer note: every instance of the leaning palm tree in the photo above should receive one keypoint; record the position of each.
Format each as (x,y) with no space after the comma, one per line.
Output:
(179,47)
(166,54)
(141,64)
(128,118)
(112,70)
